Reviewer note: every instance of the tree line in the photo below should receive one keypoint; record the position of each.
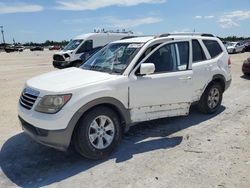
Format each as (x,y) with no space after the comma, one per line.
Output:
(47,43)
(234,38)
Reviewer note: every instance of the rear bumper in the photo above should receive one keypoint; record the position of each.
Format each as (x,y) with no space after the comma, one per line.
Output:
(58,139)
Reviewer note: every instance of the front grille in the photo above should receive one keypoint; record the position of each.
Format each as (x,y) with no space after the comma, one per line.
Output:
(28,98)
(57,57)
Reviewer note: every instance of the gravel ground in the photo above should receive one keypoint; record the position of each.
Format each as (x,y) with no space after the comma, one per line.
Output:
(193,151)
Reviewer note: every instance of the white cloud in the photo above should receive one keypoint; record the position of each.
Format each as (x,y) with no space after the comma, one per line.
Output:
(209,17)
(131,23)
(19,8)
(227,23)
(204,17)
(96,4)
(198,17)
(232,19)
(238,15)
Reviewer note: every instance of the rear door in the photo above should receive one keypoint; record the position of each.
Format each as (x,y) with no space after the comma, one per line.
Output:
(201,65)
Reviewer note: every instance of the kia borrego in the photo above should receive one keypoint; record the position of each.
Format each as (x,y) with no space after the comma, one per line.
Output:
(126,82)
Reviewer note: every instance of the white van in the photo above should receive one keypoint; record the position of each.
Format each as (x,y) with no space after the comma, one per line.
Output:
(79,49)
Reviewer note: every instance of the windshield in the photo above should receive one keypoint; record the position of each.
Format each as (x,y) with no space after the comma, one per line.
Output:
(72,45)
(113,58)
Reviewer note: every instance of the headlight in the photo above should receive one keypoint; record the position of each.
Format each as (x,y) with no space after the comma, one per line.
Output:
(67,58)
(52,104)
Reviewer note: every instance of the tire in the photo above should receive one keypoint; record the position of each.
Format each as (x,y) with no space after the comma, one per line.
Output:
(99,147)
(243,50)
(211,106)
(234,51)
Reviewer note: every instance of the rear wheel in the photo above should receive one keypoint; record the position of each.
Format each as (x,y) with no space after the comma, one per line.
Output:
(98,133)
(211,99)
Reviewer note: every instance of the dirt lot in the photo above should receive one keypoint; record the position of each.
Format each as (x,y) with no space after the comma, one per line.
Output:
(194,151)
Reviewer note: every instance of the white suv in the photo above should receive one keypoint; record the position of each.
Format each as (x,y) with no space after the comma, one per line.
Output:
(126,82)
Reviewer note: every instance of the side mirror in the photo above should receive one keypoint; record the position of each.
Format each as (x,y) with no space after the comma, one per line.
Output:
(147,68)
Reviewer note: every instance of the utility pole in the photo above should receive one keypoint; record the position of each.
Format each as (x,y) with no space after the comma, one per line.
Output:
(2,34)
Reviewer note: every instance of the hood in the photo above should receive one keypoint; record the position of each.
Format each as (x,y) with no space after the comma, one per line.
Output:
(67,79)
(230,47)
(64,52)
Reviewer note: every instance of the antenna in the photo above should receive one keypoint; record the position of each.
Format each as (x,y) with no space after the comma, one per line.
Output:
(2,34)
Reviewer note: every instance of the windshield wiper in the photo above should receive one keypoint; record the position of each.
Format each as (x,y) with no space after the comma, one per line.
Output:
(98,68)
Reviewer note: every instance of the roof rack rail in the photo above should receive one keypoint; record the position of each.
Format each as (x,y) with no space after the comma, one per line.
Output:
(128,37)
(191,33)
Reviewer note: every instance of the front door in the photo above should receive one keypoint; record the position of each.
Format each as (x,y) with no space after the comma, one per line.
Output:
(167,92)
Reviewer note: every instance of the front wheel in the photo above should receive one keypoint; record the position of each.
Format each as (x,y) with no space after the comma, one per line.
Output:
(211,99)
(98,133)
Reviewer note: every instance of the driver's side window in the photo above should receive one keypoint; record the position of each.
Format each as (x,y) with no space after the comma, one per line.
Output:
(164,59)
(170,57)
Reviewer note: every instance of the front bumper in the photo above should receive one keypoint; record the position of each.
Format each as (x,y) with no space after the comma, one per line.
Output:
(58,139)
(231,50)
(61,64)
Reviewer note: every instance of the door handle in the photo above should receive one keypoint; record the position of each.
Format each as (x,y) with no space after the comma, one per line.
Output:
(185,78)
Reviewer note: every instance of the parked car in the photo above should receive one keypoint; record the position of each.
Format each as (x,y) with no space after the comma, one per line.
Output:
(225,43)
(36,48)
(235,47)
(84,46)
(247,46)
(246,67)
(126,82)
(13,48)
(54,48)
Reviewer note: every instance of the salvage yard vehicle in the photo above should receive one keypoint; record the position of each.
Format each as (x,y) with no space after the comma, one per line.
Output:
(126,82)
(82,47)
(36,48)
(246,67)
(13,48)
(235,47)
(54,47)
(247,46)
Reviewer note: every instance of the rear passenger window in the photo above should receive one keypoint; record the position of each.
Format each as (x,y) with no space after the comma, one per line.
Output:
(213,47)
(198,54)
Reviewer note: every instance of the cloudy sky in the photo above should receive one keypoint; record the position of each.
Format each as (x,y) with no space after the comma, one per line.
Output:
(29,20)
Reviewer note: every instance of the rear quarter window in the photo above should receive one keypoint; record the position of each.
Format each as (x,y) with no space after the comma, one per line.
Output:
(213,47)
